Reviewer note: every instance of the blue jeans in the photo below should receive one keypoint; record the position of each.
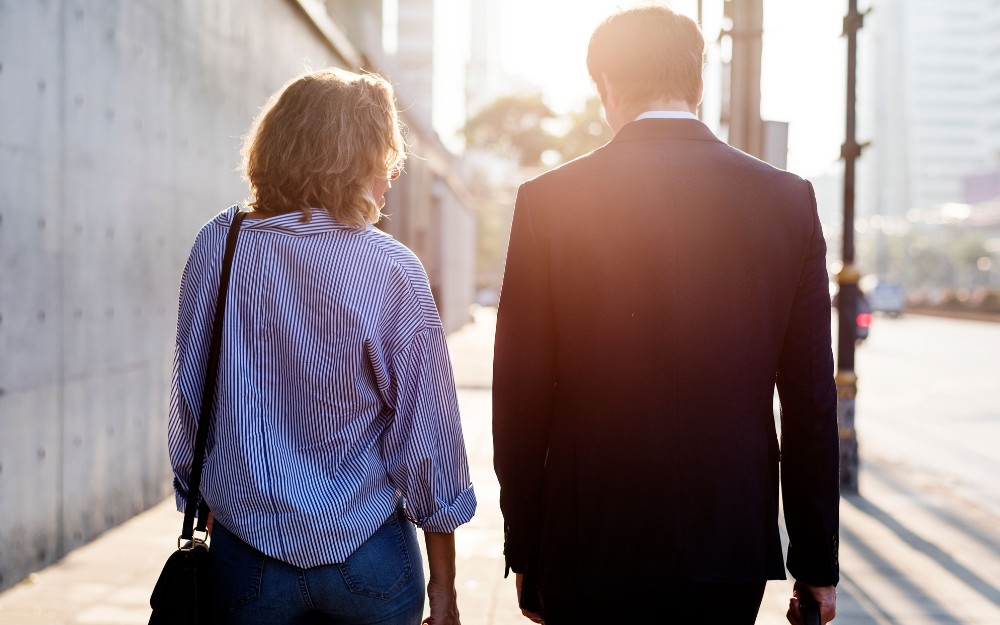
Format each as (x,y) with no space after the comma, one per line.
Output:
(381,583)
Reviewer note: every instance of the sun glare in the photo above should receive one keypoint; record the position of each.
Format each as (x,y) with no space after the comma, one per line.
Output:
(542,47)
(545,44)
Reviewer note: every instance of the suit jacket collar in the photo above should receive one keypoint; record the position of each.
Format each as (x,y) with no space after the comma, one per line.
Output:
(653,129)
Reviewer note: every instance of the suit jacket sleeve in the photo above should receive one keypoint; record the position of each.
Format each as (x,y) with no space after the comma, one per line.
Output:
(810,444)
(524,377)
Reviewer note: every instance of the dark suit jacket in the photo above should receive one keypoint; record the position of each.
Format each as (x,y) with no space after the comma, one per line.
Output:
(656,290)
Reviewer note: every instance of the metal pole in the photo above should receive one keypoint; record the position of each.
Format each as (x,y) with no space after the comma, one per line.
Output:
(745,126)
(848,277)
(701,111)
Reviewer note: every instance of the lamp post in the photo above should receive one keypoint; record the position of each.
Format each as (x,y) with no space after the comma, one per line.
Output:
(745,126)
(848,276)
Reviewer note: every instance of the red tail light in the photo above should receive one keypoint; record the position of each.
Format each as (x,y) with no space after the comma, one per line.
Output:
(864,320)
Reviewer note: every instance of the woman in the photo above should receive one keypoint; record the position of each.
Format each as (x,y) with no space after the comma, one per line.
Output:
(336,425)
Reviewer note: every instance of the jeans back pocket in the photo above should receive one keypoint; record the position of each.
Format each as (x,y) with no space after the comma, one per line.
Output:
(380,567)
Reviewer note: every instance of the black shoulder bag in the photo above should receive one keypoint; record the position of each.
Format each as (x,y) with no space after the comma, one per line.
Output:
(183,593)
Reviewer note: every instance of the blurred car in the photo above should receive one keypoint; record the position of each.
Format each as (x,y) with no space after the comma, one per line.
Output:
(887,297)
(862,316)
(488,297)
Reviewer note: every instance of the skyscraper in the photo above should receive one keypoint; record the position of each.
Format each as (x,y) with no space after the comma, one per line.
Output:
(415,51)
(933,101)
(484,78)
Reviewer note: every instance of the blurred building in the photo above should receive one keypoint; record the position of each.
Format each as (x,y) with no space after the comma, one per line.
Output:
(930,101)
(982,187)
(359,20)
(493,177)
(484,80)
(429,208)
(829,190)
(118,140)
(415,51)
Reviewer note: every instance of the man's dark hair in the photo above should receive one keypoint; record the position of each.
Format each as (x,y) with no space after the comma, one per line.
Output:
(648,52)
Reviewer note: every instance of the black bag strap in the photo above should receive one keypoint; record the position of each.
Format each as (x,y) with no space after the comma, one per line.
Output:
(208,392)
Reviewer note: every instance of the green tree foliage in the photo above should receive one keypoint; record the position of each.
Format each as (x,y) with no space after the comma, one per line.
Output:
(587,131)
(520,125)
(512,124)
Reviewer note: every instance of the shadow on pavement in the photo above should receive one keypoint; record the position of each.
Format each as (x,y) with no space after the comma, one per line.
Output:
(946,560)
(945,514)
(928,604)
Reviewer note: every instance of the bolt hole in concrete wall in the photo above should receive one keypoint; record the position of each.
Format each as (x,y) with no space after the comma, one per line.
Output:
(119,140)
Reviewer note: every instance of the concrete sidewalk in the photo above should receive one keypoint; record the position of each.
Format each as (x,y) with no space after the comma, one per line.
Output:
(912,551)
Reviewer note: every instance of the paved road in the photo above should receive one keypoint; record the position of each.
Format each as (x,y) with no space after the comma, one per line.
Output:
(919,546)
(929,401)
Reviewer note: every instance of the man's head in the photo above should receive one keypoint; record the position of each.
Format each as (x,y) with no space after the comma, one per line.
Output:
(646,54)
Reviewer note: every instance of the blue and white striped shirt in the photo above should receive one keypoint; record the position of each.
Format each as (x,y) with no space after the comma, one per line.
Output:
(335,393)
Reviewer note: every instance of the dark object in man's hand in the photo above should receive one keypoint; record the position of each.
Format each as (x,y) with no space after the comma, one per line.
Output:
(809,610)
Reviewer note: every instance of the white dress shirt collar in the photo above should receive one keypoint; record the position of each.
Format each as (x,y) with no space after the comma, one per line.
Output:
(666,115)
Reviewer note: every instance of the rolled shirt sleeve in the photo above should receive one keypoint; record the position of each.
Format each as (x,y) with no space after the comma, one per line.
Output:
(423,444)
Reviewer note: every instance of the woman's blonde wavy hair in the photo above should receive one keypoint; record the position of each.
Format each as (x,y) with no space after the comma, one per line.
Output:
(319,142)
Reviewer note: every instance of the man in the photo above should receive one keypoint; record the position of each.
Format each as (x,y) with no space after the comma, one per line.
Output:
(656,291)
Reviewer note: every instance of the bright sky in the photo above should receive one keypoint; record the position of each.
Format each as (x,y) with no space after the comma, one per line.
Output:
(544,42)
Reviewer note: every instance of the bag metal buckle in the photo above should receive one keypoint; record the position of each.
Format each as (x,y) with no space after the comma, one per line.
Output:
(192,542)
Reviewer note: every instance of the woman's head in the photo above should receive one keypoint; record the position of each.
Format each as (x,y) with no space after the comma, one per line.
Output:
(325,140)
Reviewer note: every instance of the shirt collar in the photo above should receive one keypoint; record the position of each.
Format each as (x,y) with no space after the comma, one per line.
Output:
(667,115)
(290,223)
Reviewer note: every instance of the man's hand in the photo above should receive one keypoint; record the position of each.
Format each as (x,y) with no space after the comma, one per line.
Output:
(518,580)
(824,596)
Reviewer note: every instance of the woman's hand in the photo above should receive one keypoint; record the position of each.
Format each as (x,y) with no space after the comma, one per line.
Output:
(441,593)
(443,599)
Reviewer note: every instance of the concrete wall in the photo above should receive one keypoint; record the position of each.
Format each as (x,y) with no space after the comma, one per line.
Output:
(120,122)
(456,268)
(428,211)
